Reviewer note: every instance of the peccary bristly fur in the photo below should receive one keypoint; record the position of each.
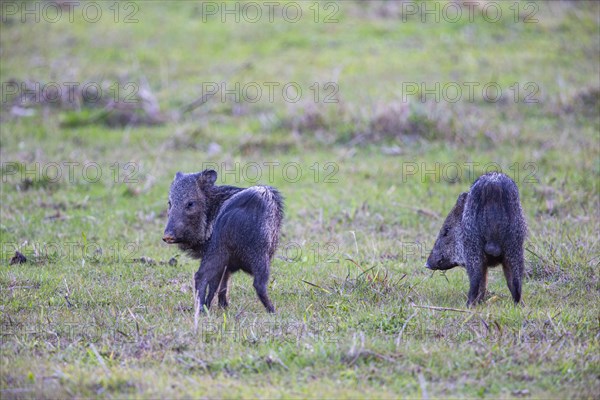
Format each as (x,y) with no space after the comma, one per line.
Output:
(486,227)
(229,228)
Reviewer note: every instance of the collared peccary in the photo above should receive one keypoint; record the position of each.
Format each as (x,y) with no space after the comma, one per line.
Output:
(486,227)
(229,228)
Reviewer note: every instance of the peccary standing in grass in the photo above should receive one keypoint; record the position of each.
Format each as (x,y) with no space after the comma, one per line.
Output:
(486,227)
(229,228)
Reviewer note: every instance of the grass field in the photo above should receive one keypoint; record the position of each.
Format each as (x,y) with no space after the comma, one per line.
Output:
(371,118)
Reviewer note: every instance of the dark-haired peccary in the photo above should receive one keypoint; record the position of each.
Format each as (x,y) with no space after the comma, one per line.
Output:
(229,228)
(486,227)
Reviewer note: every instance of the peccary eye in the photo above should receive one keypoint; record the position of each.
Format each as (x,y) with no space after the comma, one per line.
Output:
(169,204)
(446,230)
(190,204)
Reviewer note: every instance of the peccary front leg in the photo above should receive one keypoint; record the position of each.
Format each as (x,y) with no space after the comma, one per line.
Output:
(218,284)
(483,284)
(212,288)
(201,283)
(261,279)
(223,289)
(513,267)
(209,271)
(474,281)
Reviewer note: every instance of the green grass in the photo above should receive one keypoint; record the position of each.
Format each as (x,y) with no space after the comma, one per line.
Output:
(97,310)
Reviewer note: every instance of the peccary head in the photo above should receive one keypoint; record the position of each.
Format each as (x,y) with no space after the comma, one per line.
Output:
(448,250)
(189,208)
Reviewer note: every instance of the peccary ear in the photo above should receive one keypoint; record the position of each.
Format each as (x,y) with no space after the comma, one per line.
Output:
(460,202)
(207,177)
(178,175)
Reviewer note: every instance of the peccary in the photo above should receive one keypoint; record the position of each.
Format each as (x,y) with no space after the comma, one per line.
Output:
(486,227)
(229,228)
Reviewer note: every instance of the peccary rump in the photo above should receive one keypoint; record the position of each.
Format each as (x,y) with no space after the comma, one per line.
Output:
(486,227)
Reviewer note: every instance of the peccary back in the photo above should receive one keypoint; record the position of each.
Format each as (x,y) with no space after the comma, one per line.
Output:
(248,225)
(485,228)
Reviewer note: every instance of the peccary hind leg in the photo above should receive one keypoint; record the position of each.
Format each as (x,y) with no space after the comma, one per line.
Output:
(260,285)
(513,272)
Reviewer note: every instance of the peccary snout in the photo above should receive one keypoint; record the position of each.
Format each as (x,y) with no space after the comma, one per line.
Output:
(439,264)
(169,236)
(447,251)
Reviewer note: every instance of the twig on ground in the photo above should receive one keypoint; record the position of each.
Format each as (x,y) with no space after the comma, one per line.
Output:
(100,359)
(443,308)
(404,327)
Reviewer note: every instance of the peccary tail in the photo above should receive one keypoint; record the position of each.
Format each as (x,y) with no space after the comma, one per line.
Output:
(492,249)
